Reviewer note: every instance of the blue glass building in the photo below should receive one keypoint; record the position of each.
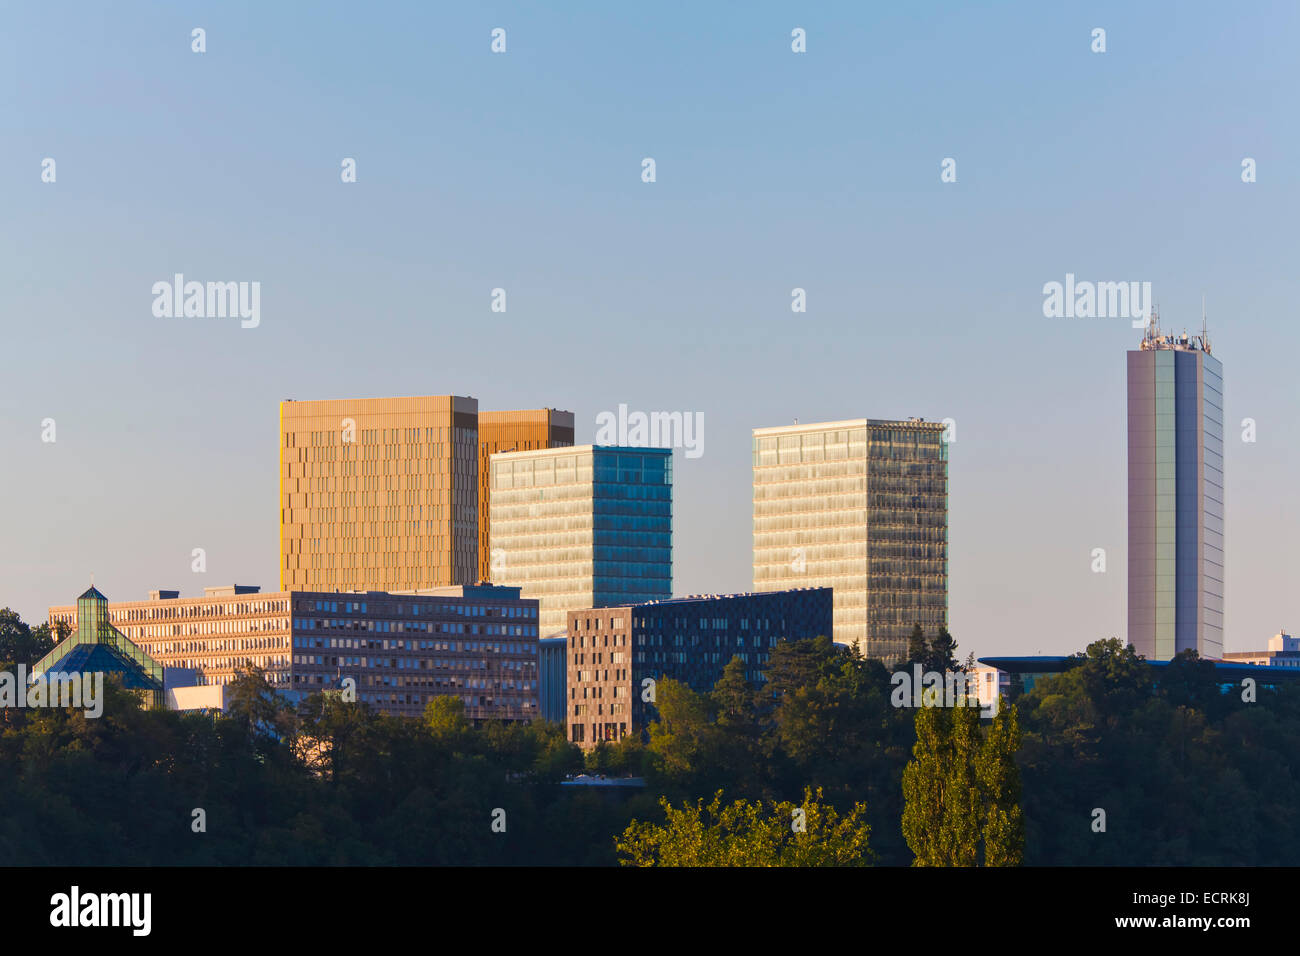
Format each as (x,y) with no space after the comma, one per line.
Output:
(589,526)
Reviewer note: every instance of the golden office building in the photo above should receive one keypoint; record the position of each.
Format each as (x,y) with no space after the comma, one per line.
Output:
(379,494)
(861,507)
(527,430)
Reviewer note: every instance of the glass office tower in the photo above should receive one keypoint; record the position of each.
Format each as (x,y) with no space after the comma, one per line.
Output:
(861,507)
(582,527)
(1175,496)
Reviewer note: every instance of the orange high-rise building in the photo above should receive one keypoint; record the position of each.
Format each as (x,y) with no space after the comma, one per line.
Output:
(389,494)
(378,494)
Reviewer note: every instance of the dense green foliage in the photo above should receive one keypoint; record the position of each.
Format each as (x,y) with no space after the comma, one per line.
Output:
(823,719)
(332,784)
(1184,773)
(808,833)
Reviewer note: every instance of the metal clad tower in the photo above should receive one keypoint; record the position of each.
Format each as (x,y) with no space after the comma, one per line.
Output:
(1175,496)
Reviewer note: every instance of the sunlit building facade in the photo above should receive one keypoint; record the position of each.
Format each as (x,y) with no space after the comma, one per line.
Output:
(526,430)
(859,506)
(379,493)
(580,527)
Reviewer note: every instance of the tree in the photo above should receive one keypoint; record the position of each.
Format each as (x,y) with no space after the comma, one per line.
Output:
(684,741)
(733,697)
(255,704)
(999,782)
(963,810)
(924,779)
(21,644)
(918,650)
(961,790)
(445,716)
(941,657)
(810,833)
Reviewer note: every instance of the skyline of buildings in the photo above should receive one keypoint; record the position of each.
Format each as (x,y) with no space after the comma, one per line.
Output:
(706,315)
(857,507)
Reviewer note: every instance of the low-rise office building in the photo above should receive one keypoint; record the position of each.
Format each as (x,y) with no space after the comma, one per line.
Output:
(1283,651)
(615,654)
(402,649)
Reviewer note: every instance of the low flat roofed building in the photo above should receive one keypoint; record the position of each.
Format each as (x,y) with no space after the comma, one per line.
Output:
(402,648)
(1283,651)
(1024,672)
(614,651)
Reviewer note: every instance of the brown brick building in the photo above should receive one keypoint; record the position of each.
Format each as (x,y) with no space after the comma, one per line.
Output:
(616,655)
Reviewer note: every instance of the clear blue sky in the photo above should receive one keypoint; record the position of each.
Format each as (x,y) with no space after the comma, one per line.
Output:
(522,171)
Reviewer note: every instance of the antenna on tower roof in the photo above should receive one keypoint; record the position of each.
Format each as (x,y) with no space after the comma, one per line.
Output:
(1205,332)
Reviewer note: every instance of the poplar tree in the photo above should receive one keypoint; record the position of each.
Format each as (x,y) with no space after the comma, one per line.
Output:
(999,779)
(961,789)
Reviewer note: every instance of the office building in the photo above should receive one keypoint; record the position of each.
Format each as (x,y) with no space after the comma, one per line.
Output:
(861,507)
(588,526)
(379,493)
(1175,496)
(614,651)
(512,431)
(1024,673)
(400,649)
(1283,651)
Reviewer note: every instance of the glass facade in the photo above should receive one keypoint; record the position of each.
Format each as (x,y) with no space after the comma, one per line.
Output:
(582,527)
(860,507)
(512,431)
(96,645)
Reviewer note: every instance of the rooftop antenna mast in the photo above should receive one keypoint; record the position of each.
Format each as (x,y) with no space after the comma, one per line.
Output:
(1205,333)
